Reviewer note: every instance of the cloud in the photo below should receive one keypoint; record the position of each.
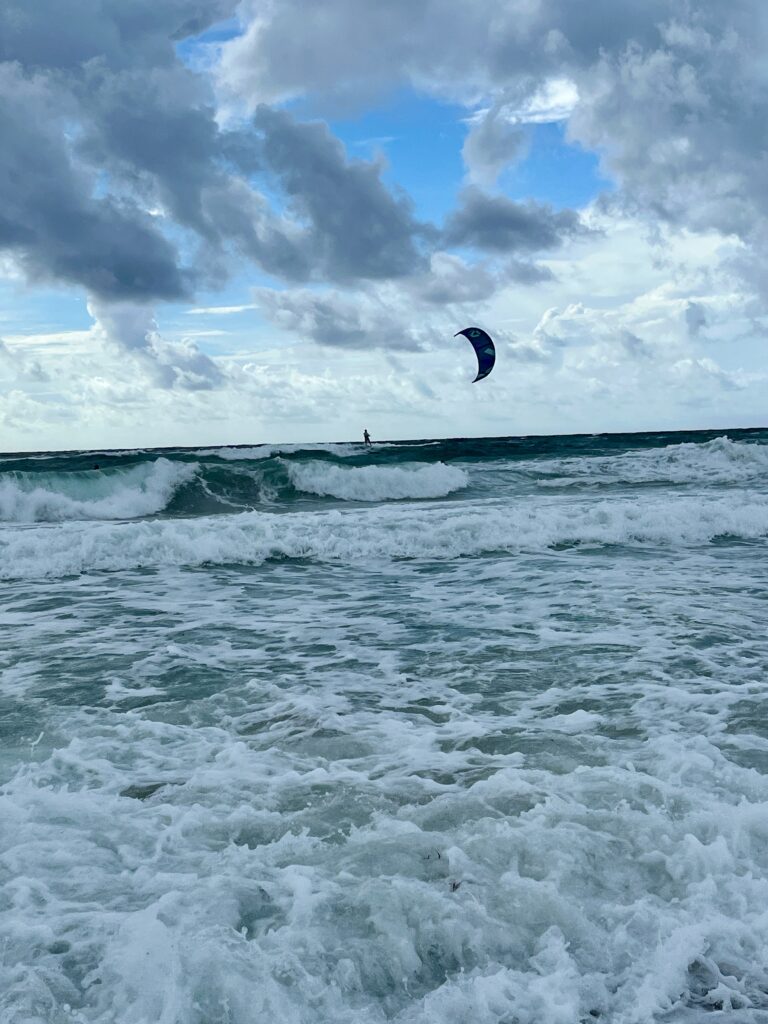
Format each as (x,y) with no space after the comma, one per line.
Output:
(497,137)
(154,129)
(358,229)
(17,367)
(678,119)
(702,375)
(219,310)
(124,180)
(252,229)
(634,346)
(672,95)
(695,318)
(121,175)
(523,272)
(580,371)
(118,177)
(451,280)
(344,51)
(49,216)
(491,145)
(554,100)
(497,224)
(361,321)
(142,33)
(99,121)
(132,329)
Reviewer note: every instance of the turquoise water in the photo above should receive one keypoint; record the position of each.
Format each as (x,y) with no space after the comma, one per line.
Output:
(454,730)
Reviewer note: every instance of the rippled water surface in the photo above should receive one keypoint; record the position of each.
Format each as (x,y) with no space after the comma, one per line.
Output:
(451,731)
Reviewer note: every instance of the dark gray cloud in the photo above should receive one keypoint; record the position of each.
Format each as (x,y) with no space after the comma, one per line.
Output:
(89,146)
(451,280)
(50,217)
(345,51)
(44,35)
(498,224)
(245,218)
(358,229)
(154,130)
(522,272)
(110,144)
(341,320)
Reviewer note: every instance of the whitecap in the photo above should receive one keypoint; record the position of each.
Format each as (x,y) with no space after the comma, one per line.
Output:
(377,483)
(92,494)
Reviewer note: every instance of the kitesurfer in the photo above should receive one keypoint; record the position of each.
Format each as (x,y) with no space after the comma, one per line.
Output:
(366,438)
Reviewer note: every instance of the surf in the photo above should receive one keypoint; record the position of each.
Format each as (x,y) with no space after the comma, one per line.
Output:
(427,533)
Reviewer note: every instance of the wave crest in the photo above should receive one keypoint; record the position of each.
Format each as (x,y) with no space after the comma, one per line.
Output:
(442,533)
(377,483)
(92,494)
(720,461)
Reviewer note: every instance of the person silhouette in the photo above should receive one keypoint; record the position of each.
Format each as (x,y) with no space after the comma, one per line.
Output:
(366,438)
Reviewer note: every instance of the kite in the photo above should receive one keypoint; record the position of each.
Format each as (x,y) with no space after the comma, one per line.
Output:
(484,349)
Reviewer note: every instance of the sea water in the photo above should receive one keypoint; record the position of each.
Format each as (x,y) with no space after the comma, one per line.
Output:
(439,732)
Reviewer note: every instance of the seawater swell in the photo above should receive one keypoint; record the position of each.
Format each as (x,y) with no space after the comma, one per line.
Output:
(252,538)
(135,485)
(720,461)
(202,482)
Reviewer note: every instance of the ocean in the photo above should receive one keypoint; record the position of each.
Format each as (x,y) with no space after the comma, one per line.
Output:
(463,731)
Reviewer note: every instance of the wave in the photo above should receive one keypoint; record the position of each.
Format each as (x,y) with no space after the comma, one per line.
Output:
(268,451)
(377,483)
(436,533)
(720,461)
(139,490)
(203,482)
(195,488)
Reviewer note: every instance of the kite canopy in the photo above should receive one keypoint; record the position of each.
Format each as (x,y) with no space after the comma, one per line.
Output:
(483,346)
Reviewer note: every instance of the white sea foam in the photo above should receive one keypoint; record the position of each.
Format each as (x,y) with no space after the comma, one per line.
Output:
(720,461)
(92,494)
(387,784)
(302,855)
(379,533)
(377,483)
(266,451)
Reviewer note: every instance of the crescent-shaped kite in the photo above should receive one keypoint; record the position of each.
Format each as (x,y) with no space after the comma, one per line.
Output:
(484,349)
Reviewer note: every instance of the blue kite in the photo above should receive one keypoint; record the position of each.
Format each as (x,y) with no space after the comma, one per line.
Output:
(484,350)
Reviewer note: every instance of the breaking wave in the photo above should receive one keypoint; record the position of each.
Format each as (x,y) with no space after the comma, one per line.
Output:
(431,533)
(220,485)
(720,461)
(140,490)
(257,453)
(377,483)
(178,483)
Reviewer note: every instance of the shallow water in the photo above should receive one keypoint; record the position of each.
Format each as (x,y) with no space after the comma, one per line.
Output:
(449,731)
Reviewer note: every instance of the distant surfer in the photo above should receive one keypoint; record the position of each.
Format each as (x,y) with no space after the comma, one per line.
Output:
(95,465)
(366,438)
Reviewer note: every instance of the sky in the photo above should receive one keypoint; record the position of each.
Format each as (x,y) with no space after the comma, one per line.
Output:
(233,223)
